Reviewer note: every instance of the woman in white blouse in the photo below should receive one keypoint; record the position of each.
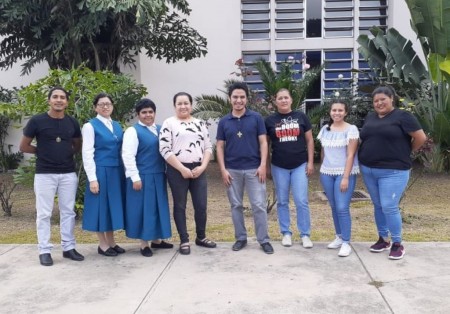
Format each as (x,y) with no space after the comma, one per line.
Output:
(147,215)
(338,172)
(185,145)
(103,199)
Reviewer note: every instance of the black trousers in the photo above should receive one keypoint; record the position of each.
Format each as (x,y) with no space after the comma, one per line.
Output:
(198,189)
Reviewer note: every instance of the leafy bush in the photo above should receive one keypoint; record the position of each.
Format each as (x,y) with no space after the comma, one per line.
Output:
(82,84)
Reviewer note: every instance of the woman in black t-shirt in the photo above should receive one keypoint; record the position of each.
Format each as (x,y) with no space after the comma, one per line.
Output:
(292,147)
(387,138)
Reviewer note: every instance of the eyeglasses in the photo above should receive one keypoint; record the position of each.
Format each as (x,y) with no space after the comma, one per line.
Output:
(105,104)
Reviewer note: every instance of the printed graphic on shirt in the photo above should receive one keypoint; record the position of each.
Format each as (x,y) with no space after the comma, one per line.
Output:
(287,130)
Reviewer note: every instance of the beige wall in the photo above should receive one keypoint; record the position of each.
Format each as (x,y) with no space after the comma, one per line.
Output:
(219,22)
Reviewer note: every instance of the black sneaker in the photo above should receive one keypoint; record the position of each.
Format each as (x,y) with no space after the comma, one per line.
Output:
(267,248)
(239,245)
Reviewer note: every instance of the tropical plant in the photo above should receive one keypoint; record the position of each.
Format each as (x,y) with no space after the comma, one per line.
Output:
(99,33)
(274,81)
(82,84)
(426,92)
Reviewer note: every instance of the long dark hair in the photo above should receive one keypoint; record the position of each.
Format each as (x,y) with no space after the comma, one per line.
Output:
(330,122)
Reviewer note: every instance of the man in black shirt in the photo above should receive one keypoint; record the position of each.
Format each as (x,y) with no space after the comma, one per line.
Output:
(58,138)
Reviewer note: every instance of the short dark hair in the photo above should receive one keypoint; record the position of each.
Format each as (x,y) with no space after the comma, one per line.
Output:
(181,94)
(387,90)
(144,103)
(57,88)
(238,85)
(102,95)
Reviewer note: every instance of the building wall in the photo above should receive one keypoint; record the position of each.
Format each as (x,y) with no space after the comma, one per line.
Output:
(220,22)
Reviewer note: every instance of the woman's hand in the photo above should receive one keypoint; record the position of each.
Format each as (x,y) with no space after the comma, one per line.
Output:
(94,187)
(197,171)
(137,186)
(344,184)
(309,168)
(186,173)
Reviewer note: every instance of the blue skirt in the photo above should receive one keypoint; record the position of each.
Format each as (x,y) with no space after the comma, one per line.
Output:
(147,214)
(105,211)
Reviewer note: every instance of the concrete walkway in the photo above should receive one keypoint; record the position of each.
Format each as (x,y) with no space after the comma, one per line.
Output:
(293,280)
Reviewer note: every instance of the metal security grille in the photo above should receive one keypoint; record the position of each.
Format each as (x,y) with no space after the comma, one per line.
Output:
(358,195)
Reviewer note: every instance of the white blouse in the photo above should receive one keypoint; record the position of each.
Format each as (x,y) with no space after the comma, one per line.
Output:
(88,148)
(334,145)
(129,150)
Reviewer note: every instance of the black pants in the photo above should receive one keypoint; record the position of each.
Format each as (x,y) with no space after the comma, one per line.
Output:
(198,189)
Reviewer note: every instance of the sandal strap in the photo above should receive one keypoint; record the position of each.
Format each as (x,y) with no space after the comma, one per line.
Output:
(206,240)
(184,245)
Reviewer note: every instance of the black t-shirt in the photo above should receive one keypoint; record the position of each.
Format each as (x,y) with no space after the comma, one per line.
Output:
(287,136)
(54,150)
(385,142)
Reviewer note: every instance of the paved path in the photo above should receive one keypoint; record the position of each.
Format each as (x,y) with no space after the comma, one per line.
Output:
(293,280)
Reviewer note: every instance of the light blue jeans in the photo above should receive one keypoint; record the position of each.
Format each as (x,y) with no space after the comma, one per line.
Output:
(256,191)
(297,181)
(386,187)
(339,203)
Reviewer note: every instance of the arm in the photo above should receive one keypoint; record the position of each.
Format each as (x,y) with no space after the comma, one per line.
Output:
(310,147)
(268,169)
(25,145)
(351,151)
(207,146)
(76,145)
(87,152)
(129,150)
(220,149)
(418,139)
(263,151)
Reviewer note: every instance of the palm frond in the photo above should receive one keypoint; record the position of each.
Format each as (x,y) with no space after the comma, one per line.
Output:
(211,107)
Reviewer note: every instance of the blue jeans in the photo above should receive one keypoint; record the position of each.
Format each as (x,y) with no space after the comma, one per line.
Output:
(256,191)
(339,203)
(297,181)
(386,187)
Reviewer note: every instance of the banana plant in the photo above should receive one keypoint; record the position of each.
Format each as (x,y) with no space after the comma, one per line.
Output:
(424,87)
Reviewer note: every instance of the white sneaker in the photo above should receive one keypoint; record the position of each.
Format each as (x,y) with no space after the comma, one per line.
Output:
(287,240)
(345,250)
(307,244)
(336,243)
